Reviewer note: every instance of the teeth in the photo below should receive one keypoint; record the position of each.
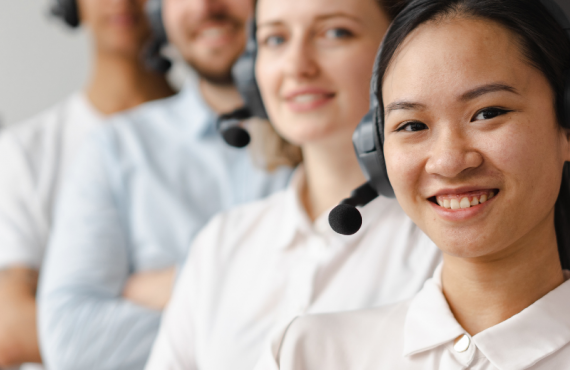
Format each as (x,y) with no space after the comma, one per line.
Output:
(306,98)
(454,204)
(214,32)
(464,203)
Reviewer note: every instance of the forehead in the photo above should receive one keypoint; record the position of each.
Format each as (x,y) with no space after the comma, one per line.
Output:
(300,10)
(449,56)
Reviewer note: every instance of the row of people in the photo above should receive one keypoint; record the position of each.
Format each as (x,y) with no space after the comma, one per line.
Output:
(470,123)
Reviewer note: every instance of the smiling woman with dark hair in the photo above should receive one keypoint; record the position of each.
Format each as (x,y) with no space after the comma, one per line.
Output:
(476,140)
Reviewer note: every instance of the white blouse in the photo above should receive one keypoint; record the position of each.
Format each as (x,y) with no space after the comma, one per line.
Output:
(34,156)
(422,333)
(255,268)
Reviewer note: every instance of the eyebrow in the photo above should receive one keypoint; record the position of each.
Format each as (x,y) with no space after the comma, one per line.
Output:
(469,95)
(318,18)
(403,105)
(486,89)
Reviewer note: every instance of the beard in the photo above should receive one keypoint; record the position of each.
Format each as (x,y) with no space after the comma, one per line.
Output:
(221,76)
(216,66)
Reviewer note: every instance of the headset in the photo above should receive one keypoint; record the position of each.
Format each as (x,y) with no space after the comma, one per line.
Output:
(68,11)
(368,142)
(243,74)
(154,60)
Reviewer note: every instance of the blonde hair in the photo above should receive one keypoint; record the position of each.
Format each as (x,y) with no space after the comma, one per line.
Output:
(268,149)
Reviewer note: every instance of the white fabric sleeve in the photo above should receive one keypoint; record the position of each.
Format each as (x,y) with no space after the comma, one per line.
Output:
(23,222)
(84,323)
(270,358)
(175,346)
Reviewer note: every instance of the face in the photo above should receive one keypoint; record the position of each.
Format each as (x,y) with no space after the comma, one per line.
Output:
(473,148)
(117,26)
(210,34)
(314,64)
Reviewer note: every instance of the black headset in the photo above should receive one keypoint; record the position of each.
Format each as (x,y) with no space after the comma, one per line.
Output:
(154,60)
(243,74)
(368,142)
(68,11)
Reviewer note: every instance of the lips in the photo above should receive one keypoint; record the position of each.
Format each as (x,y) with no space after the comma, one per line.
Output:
(307,99)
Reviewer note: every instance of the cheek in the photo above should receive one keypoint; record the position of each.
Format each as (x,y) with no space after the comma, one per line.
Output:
(405,169)
(351,78)
(530,164)
(268,75)
(241,9)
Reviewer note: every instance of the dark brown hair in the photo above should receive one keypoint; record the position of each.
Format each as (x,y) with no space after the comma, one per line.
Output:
(543,43)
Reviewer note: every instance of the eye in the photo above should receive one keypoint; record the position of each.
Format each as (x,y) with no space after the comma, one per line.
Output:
(274,40)
(490,113)
(338,33)
(412,126)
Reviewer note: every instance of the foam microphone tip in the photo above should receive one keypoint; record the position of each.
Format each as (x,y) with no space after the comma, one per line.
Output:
(345,219)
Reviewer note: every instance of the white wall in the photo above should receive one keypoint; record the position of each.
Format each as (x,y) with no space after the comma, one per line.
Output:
(41,61)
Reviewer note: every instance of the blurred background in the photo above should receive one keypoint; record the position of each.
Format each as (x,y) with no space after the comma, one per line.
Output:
(43,61)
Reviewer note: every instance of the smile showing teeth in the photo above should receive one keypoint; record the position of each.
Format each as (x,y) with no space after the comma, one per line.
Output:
(455,202)
(307,98)
(213,32)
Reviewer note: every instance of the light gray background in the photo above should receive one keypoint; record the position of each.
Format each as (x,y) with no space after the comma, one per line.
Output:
(41,61)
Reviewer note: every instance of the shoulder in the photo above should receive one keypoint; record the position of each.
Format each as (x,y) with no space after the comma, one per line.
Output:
(31,132)
(240,226)
(343,340)
(149,116)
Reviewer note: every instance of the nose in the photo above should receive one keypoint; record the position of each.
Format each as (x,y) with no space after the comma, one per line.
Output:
(300,60)
(452,155)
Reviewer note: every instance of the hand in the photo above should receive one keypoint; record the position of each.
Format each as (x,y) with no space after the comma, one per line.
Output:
(18,332)
(151,289)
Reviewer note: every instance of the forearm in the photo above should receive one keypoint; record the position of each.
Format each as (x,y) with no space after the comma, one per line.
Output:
(90,332)
(18,330)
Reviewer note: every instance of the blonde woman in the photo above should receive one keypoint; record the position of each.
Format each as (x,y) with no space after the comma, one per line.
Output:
(256,267)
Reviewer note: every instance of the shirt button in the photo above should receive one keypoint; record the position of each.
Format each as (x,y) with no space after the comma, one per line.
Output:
(462,343)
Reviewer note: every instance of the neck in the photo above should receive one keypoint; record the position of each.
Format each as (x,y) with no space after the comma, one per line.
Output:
(119,82)
(484,293)
(332,173)
(222,98)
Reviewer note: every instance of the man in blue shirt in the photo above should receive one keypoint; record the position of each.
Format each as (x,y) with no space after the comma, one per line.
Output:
(137,195)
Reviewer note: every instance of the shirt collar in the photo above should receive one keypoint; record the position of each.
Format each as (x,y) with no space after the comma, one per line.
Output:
(191,107)
(531,335)
(429,322)
(296,221)
(517,343)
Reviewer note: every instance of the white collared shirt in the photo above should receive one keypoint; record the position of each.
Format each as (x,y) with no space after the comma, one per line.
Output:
(422,333)
(255,268)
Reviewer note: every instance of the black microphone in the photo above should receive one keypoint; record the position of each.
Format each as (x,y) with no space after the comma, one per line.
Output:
(230,129)
(345,219)
(236,136)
